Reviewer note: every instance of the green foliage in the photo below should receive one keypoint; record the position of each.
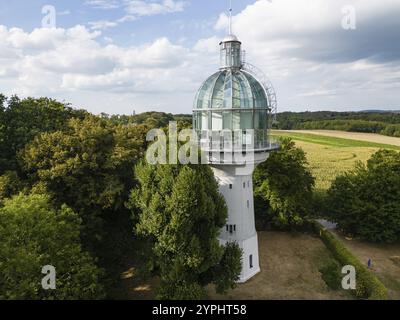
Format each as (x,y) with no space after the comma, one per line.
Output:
(85,166)
(367,285)
(22,120)
(285,183)
(10,184)
(150,119)
(330,273)
(182,212)
(366,201)
(32,235)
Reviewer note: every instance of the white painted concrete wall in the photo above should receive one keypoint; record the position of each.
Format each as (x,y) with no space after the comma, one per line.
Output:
(240,203)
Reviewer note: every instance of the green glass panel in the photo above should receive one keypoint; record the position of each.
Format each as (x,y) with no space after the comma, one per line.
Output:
(216,121)
(246,120)
(235,120)
(228,91)
(218,94)
(259,96)
(260,119)
(235,91)
(227,120)
(204,121)
(246,98)
(205,92)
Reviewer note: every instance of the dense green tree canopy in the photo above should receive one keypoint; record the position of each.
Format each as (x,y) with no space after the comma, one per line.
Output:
(33,235)
(366,201)
(22,120)
(182,212)
(285,183)
(87,166)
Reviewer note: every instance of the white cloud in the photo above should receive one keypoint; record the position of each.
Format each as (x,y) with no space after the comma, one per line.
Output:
(103,4)
(147,8)
(102,24)
(75,61)
(134,9)
(312,62)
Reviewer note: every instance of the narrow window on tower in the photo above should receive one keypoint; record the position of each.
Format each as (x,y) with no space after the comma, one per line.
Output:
(251,261)
(227,228)
(230,229)
(244,185)
(248,204)
(234,227)
(230,186)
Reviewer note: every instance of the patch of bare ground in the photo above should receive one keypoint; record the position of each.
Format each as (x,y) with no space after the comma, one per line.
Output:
(385,261)
(133,286)
(290,265)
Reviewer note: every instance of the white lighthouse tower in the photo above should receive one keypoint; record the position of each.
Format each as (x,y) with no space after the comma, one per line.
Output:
(232,116)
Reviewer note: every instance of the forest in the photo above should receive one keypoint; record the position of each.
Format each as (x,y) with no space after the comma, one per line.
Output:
(77,193)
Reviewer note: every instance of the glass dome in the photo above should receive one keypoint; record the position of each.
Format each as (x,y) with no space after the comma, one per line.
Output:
(233,99)
(230,88)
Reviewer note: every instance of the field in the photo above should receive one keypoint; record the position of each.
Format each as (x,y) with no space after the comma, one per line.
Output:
(289,262)
(329,156)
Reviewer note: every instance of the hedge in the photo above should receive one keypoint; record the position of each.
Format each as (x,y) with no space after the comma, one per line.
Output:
(368,285)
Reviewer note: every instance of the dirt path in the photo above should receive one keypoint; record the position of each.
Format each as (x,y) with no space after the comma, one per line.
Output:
(370,137)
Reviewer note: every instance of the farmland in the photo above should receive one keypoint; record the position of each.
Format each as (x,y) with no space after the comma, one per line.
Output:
(332,153)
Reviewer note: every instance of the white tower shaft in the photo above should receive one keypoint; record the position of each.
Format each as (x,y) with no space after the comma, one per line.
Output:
(240,228)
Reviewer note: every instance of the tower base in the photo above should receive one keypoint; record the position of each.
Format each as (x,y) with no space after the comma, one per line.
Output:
(250,261)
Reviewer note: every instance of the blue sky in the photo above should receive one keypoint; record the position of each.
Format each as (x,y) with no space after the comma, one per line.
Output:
(194,22)
(116,56)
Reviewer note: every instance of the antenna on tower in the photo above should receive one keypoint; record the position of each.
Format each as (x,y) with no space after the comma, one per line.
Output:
(230,17)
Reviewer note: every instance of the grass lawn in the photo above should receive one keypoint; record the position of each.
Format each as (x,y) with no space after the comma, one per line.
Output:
(290,264)
(331,156)
(385,261)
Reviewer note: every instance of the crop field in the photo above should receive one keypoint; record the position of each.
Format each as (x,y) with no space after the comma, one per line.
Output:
(330,156)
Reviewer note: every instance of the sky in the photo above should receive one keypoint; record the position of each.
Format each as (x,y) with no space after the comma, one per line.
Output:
(125,56)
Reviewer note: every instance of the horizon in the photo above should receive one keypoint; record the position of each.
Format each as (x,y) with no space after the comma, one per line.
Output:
(120,56)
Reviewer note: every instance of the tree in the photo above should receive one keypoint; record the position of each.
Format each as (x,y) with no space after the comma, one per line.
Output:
(181,211)
(32,235)
(86,166)
(10,184)
(22,120)
(366,202)
(284,182)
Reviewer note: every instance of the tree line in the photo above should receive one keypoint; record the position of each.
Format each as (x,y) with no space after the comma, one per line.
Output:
(385,123)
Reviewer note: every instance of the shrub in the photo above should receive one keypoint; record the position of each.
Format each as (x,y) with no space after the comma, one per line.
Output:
(368,286)
(330,273)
